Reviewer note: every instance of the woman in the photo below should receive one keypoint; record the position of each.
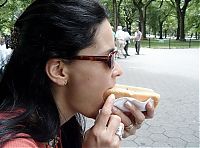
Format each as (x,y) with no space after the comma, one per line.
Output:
(62,63)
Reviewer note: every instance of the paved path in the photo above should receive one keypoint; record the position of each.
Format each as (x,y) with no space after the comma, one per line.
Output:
(174,73)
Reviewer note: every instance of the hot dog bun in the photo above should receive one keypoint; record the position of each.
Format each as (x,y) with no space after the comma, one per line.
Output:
(138,93)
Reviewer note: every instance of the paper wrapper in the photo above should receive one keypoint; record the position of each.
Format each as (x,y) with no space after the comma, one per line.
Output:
(119,103)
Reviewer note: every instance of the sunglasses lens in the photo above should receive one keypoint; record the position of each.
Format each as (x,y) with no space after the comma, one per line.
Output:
(112,60)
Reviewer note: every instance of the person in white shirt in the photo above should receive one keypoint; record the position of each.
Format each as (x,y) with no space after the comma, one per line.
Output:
(4,57)
(137,38)
(113,32)
(120,41)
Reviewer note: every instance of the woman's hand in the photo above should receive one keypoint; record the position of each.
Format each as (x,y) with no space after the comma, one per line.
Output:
(133,119)
(102,134)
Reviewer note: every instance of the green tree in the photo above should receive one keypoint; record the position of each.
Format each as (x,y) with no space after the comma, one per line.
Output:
(114,8)
(152,19)
(10,11)
(160,11)
(142,6)
(129,14)
(3,2)
(159,15)
(181,7)
(192,19)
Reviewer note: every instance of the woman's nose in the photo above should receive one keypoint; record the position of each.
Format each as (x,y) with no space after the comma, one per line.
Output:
(117,71)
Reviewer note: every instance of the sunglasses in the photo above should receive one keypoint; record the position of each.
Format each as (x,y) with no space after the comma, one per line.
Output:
(109,60)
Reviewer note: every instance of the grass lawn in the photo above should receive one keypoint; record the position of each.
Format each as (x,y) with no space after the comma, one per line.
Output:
(168,43)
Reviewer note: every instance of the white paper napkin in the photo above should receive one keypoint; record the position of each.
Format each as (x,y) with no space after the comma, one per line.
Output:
(140,105)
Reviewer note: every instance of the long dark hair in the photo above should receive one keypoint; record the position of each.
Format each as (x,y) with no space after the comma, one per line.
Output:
(47,29)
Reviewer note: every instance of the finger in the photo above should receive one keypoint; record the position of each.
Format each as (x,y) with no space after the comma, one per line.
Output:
(150,111)
(129,128)
(139,116)
(116,141)
(113,124)
(105,112)
(129,132)
(120,131)
(138,126)
(124,118)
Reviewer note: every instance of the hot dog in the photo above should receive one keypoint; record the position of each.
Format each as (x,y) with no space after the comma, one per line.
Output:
(138,93)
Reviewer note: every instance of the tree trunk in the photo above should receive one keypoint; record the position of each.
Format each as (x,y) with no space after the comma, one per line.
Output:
(144,23)
(160,26)
(142,7)
(196,35)
(182,25)
(115,14)
(165,33)
(181,18)
(129,28)
(118,12)
(141,23)
(142,19)
(178,26)
(154,34)
(118,17)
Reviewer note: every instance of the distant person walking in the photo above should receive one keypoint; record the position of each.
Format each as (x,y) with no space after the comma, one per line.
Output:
(120,41)
(137,38)
(127,38)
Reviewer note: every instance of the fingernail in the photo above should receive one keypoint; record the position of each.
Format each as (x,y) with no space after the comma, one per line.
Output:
(112,96)
(151,103)
(128,104)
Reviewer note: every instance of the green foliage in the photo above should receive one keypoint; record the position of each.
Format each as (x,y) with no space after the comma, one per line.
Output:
(127,14)
(161,12)
(192,17)
(10,12)
(109,7)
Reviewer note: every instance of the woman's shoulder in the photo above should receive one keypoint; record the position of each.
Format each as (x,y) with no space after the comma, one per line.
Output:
(22,141)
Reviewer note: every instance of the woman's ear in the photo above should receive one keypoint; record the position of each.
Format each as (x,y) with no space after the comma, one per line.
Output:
(57,71)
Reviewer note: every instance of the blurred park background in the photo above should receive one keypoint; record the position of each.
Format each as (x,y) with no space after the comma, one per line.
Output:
(163,23)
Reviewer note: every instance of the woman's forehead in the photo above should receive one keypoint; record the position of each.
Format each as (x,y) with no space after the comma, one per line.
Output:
(104,38)
(103,41)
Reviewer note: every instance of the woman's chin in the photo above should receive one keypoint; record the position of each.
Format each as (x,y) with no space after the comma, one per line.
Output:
(93,116)
(94,113)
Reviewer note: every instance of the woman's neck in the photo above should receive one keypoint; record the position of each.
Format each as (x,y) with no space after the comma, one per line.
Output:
(65,111)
